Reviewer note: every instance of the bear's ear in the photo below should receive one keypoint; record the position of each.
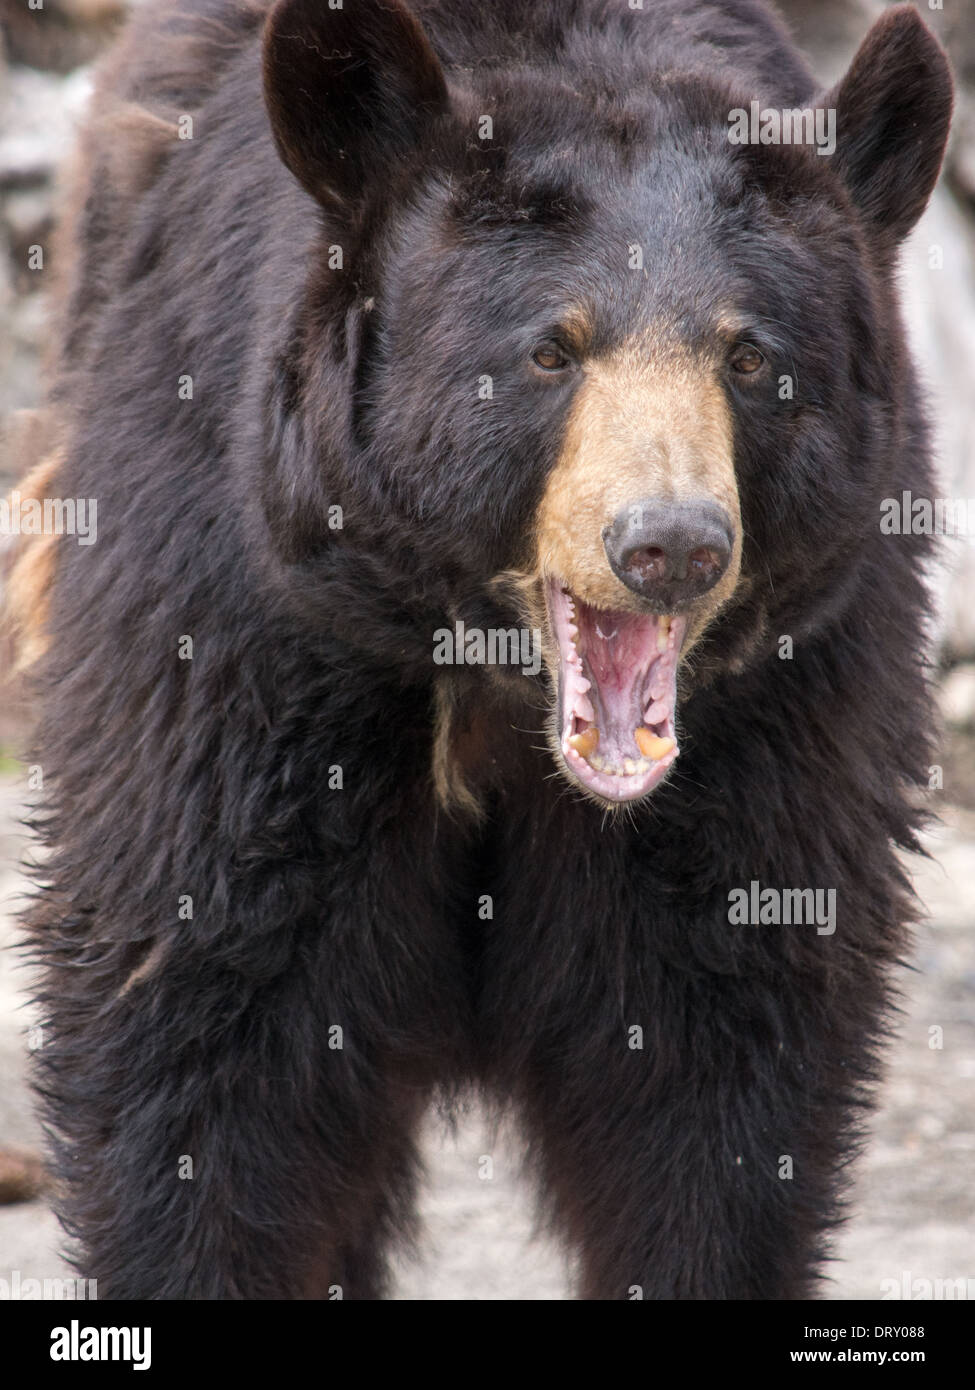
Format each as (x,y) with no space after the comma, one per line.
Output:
(893,109)
(349,90)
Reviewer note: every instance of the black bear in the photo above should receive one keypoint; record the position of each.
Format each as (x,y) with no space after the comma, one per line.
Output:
(490,671)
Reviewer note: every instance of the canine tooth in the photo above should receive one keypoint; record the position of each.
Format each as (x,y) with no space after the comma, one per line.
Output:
(629,766)
(663,634)
(584,707)
(643,738)
(585,744)
(651,746)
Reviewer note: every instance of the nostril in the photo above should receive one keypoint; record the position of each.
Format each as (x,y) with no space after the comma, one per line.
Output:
(706,563)
(652,562)
(649,563)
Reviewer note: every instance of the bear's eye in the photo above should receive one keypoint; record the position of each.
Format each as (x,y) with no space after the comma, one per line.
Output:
(746,359)
(550,357)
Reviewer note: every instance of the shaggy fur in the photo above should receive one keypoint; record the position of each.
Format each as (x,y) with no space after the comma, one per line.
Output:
(209,1036)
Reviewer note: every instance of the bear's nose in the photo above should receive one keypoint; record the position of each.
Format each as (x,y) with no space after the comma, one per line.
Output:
(670,552)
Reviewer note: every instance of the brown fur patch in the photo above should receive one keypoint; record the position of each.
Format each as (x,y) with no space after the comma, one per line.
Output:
(644,424)
(134,141)
(470,734)
(450,781)
(153,959)
(22,1175)
(25,597)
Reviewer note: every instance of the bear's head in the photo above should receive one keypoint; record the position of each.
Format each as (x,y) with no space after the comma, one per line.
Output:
(576,358)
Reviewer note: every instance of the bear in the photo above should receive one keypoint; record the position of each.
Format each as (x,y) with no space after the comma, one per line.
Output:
(531,377)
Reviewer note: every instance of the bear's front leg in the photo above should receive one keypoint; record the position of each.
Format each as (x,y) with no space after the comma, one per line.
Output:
(689,1121)
(225,1136)
(236,1108)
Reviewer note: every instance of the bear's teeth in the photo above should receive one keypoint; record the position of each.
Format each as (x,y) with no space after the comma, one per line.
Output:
(651,746)
(586,743)
(663,634)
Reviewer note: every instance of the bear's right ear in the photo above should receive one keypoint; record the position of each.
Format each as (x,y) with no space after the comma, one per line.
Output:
(349,90)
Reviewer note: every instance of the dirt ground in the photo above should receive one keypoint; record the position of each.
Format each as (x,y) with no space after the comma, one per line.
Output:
(914,1204)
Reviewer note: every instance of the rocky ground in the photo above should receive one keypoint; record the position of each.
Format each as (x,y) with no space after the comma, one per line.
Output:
(913,1206)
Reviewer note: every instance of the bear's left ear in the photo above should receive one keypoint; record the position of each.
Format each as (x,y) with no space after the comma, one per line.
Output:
(893,110)
(349,91)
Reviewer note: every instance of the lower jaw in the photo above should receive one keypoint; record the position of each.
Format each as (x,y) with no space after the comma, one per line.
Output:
(616,787)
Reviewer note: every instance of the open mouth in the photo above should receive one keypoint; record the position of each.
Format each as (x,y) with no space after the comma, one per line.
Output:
(617,694)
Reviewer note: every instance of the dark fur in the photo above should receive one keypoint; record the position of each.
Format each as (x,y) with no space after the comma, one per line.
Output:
(312,648)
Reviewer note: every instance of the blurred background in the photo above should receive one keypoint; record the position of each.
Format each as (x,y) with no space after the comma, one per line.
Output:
(913,1224)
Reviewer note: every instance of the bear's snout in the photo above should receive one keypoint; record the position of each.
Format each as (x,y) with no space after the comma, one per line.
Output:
(670,552)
